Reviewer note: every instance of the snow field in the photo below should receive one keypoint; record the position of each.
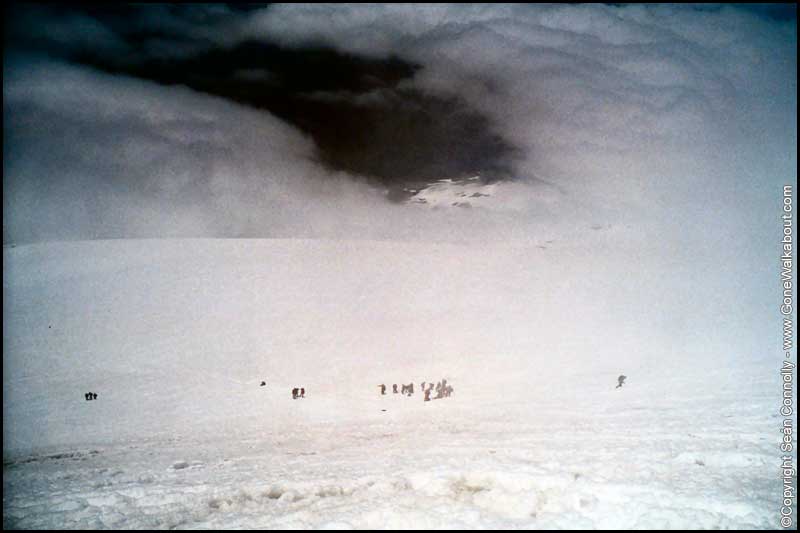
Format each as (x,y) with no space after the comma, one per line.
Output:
(175,337)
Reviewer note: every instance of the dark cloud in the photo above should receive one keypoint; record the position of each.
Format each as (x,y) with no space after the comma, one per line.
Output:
(781,12)
(121,33)
(361,120)
(648,116)
(354,108)
(89,155)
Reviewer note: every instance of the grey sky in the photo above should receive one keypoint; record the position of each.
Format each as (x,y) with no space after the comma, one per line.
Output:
(294,120)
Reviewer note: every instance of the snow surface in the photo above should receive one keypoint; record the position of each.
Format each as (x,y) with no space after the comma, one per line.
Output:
(176,335)
(447,192)
(475,192)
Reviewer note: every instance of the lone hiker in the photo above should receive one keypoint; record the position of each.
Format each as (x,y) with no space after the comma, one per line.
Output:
(621,381)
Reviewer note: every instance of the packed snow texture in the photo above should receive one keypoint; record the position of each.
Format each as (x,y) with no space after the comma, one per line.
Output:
(175,336)
(472,192)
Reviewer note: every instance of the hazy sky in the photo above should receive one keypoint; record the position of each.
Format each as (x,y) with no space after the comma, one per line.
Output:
(675,123)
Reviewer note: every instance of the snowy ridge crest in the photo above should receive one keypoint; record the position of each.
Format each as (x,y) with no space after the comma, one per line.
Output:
(448,192)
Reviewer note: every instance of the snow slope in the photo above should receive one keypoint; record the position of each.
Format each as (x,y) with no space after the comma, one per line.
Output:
(475,192)
(457,193)
(175,337)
